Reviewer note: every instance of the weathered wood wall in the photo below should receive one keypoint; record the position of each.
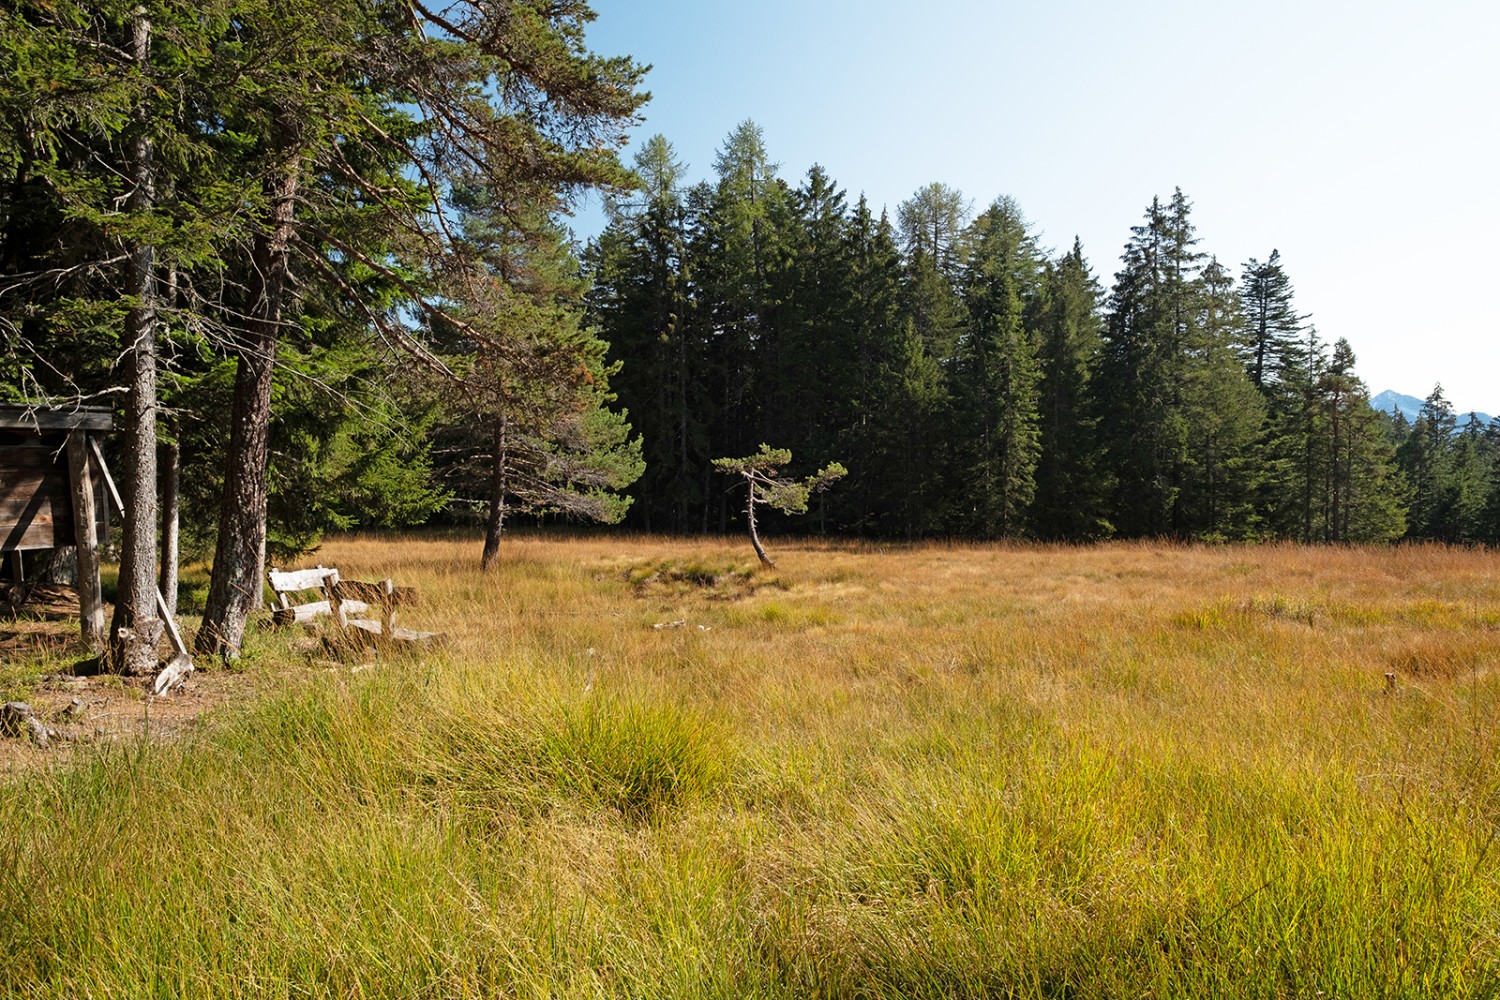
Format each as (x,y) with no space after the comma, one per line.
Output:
(36,505)
(36,501)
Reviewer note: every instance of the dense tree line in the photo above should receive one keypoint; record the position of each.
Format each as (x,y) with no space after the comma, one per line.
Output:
(979,385)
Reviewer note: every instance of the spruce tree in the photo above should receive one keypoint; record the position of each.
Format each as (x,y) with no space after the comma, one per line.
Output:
(996,375)
(1365,493)
(1141,367)
(1429,459)
(811,399)
(1273,330)
(895,443)
(1070,470)
(1223,415)
(641,297)
(739,256)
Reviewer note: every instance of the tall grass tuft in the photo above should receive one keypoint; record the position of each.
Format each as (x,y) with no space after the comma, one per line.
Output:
(638,758)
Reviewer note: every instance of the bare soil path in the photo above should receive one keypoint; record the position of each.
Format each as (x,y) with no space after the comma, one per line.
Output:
(81,706)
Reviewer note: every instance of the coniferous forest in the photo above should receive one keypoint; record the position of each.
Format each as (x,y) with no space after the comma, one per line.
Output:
(980,385)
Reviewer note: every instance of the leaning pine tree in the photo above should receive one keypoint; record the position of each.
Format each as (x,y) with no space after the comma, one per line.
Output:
(762,472)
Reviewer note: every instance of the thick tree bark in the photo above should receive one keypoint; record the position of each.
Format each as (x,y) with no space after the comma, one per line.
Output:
(171,517)
(499,486)
(136,629)
(239,553)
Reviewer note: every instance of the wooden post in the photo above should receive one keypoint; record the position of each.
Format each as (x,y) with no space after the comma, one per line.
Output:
(17,568)
(85,533)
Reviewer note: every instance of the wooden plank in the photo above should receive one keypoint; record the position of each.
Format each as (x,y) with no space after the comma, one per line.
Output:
(371,593)
(173,674)
(301,614)
(83,418)
(86,537)
(16,457)
(109,481)
(52,495)
(294,581)
(32,530)
(42,510)
(394,635)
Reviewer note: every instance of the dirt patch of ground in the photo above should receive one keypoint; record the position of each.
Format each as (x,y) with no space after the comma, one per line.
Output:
(40,648)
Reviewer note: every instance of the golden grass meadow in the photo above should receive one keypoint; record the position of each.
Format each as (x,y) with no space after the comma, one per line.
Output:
(645,767)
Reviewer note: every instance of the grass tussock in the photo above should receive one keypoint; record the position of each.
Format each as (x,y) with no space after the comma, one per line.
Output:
(928,771)
(638,759)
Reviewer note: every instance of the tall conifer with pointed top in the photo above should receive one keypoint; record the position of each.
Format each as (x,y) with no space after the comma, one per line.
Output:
(1070,474)
(996,374)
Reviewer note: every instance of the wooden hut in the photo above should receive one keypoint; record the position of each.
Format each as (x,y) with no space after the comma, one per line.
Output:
(51,494)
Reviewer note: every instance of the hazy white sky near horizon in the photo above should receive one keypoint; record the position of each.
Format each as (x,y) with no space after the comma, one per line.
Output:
(1358,138)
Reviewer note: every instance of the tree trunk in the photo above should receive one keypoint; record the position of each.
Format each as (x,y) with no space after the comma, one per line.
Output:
(136,629)
(171,516)
(754,535)
(499,486)
(239,552)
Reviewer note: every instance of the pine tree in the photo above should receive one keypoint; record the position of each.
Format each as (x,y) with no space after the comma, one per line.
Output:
(532,421)
(343,105)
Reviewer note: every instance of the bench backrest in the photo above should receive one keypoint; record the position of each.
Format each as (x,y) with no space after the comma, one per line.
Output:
(339,596)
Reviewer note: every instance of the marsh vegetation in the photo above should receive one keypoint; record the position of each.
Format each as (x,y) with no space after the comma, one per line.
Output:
(1120,770)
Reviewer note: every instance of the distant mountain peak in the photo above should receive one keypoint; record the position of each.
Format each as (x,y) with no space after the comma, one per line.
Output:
(1411,406)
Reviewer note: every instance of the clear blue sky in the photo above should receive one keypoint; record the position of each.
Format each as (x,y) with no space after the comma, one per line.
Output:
(1359,138)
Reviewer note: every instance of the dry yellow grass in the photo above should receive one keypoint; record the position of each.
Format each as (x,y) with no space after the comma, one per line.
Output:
(646,767)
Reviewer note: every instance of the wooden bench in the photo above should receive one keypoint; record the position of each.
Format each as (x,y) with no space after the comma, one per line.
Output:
(341,601)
